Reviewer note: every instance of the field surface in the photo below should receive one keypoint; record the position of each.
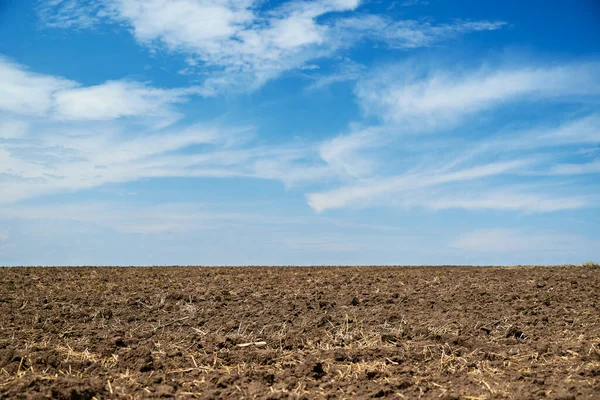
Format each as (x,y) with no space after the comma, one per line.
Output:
(243,333)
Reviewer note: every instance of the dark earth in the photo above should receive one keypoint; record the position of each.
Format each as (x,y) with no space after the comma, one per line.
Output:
(290,332)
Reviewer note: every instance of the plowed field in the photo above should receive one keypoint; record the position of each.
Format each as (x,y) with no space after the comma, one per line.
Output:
(368,332)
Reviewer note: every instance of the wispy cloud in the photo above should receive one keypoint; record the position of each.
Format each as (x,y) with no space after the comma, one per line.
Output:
(426,99)
(379,138)
(347,70)
(348,154)
(74,160)
(116,99)
(407,34)
(436,174)
(585,130)
(569,132)
(507,200)
(372,190)
(83,137)
(241,43)
(408,100)
(576,169)
(28,93)
(71,13)
(78,144)
(35,95)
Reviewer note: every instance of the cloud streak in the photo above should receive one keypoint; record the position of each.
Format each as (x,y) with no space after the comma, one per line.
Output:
(370,191)
(426,100)
(592,167)
(348,70)
(408,34)
(508,200)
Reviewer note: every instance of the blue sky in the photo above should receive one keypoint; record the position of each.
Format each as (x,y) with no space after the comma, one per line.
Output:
(222,132)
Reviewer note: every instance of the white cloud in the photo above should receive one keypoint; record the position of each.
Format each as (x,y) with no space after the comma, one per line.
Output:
(506,200)
(184,23)
(592,167)
(436,171)
(85,137)
(35,95)
(346,154)
(407,34)
(115,99)
(581,130)
(25,92)
(523,242)
(244,45)
(585,130)
(364,192)
(73,160)
(439,99)
(71,13)
(69,154)
(71,157)
(248,46)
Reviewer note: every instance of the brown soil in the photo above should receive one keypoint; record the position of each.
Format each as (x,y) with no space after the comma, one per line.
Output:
(389,332)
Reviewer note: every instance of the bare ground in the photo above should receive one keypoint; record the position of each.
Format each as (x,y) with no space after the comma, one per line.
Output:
(331,332)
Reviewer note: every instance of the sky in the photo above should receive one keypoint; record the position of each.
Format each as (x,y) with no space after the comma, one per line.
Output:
(299,132)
